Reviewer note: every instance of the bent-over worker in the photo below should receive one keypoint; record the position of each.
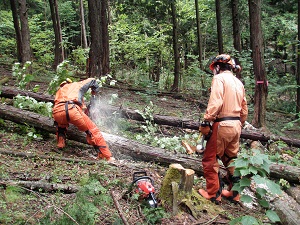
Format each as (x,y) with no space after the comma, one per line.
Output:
(69,108)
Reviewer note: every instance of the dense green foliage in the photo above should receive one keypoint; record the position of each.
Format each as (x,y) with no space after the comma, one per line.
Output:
(141,42)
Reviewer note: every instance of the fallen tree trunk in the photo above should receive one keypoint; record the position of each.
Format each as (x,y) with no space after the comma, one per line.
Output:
(287,209)
(10,92)
(122,147)
(45,186)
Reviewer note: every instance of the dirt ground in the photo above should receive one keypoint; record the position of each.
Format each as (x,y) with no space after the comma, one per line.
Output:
(32,206)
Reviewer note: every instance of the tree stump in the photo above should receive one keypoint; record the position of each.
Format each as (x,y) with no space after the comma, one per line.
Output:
(177,184)
(177,193)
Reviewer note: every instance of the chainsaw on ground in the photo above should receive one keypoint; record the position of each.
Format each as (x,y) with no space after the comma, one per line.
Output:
(144,186)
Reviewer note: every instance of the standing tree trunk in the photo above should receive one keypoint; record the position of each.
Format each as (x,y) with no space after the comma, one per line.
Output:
(199,34)
(219,26)
(99,49)
(175,86)
(27,54)
(199,45)
(236,31)
(261,83)
(298,66)
(14,11)
(59,51)
(83,29)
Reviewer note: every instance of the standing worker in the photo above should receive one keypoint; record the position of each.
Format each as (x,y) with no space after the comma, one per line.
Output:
(226,112)
(68,108)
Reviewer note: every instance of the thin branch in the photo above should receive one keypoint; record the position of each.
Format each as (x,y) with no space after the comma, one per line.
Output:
(119,208)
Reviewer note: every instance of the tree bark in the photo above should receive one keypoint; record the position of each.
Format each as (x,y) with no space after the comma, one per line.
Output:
(175,86)
(261,83)
(83,29)
(287,209)
(199,39)
(23,12)
(236,31)
(298,67)
(58,51)
(99,49)
(10,92)
(37,185)
(178,181)
(122,147)
(219,26)
(14,11)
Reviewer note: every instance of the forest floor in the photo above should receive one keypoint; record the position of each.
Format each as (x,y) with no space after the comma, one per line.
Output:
(30,206)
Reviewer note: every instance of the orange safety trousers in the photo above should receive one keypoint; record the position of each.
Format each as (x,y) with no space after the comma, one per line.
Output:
(79,119)
(223,144)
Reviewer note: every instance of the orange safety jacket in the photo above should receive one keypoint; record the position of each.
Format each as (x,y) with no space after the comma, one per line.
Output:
(227,108)
(227,98)
(68,108)
(74,92)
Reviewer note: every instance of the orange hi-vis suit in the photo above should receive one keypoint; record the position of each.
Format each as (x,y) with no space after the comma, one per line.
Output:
(227,108)
(68,108)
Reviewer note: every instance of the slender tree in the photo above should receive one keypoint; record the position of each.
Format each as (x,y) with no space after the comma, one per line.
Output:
(199,34)
(14,11)
(298,66)
(99,48)
(83,29)
(261,87)
(23,12)
(219,26)
(175,86)
(59,51)
(20,19)
(236,31)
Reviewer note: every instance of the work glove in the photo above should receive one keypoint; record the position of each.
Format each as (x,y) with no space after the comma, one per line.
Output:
(205,128)
(95,91)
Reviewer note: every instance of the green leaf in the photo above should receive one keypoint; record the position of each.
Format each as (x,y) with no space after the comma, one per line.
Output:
(246,198)
(256,160)
(266,167)
(273,187)
(253,170)
(272,216)
(264,203)
(245,182)
(244,171)
(245,220)
(259,179)
(260,192)
(240,163)
(249,220)
(237,187)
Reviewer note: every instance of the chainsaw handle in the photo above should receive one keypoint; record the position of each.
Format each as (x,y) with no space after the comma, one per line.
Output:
(143,177)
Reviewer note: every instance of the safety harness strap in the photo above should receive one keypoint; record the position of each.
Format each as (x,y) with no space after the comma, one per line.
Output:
(67,108)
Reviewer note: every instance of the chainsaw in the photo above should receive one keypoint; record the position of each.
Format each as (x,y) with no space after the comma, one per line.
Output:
(144,186)
(200,148)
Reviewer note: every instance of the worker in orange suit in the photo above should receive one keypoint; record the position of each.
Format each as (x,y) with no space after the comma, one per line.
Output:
(69,107)
(222,125)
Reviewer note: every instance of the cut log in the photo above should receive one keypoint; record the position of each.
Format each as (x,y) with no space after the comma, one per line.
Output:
(294,192)
(123,147)
(10,92)
(287,209)
(37,185)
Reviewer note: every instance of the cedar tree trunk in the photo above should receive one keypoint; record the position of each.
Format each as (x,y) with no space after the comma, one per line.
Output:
(261,84)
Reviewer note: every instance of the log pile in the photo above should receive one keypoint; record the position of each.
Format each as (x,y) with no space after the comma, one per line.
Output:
(10,92)
(123,147)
